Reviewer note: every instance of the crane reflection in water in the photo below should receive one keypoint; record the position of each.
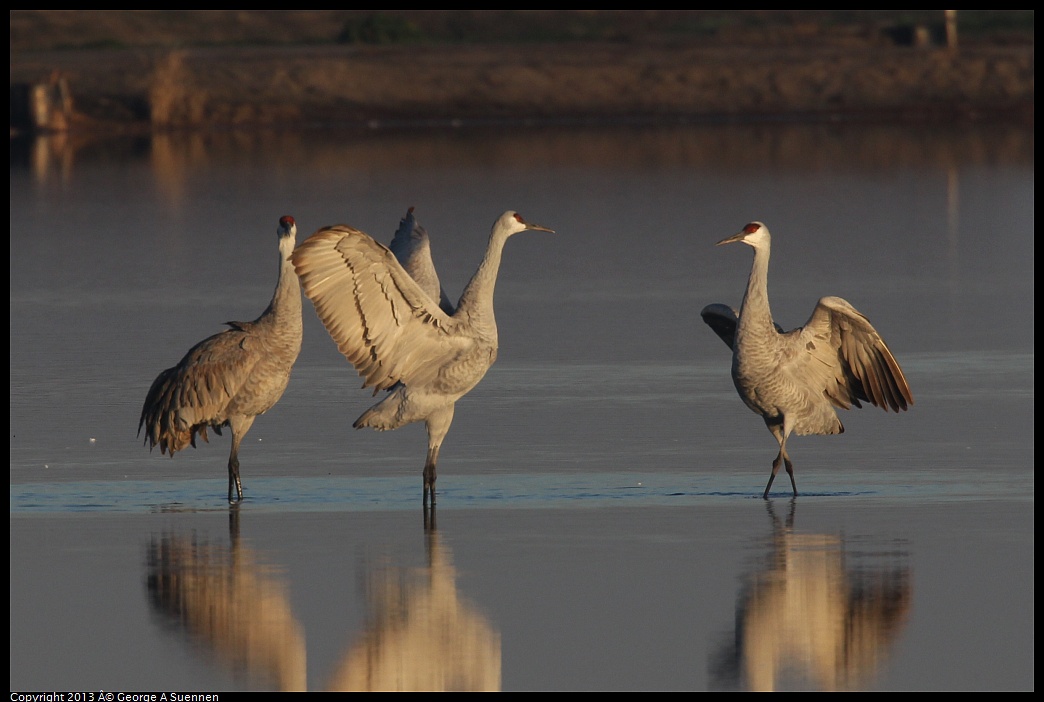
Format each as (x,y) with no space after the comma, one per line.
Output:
(420,634)
(815,616)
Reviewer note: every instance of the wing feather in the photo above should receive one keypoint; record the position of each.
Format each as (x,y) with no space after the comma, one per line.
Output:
(196,392)
(722,319)
(412,248)
(379,317)
(849,360)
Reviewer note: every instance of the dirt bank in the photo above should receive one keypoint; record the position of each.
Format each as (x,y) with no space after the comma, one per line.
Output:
(161,87)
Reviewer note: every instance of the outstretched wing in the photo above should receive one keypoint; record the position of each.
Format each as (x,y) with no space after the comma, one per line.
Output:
(839,351)
(723,320)
(412,248)
(380,318)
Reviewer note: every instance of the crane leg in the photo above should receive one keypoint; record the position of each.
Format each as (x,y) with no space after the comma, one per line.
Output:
(429,475)
(233,473)
(240,425)
(781,459)
(790,472)
(775,469)
(438,424)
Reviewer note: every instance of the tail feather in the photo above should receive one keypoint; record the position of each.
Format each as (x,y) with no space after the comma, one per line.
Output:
(159,418)
(380,417)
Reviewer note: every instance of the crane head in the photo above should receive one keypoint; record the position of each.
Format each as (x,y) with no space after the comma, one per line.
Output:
(511,222)
(754,234)
(287,227)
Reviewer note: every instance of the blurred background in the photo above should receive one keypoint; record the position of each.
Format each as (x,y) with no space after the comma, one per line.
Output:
(35,30)
(189,68)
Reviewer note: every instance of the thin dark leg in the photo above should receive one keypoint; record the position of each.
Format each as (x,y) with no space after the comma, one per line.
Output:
(790,472)
(233,473)
(429,475)
(775,469)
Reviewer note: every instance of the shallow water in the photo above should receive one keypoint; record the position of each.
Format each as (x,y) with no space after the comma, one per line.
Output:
(599,523)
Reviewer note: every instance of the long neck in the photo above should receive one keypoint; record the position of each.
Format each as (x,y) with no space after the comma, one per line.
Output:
(285,308)
(477,299)
(755,310)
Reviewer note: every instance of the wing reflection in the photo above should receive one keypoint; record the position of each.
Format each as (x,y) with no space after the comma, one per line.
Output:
(811,619)
(421,635)
(231,604)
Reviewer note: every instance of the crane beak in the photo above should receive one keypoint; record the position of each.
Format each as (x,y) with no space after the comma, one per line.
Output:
(730,239)
(539,228)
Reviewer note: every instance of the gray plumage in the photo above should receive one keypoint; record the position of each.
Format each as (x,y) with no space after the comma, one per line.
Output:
(412,249)
(230,378)
(797,380)
(396,335)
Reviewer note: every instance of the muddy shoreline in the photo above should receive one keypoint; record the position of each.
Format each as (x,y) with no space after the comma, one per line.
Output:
(135,89)
(336,85)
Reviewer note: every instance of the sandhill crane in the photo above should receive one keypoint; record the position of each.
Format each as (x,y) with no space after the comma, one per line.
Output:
(412,248)
(230,378)
(396,335)
(796,380)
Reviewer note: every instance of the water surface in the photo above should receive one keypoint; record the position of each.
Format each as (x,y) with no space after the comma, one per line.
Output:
(600,523)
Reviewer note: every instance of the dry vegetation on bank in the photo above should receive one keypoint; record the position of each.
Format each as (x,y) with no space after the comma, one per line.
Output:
(171,68)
